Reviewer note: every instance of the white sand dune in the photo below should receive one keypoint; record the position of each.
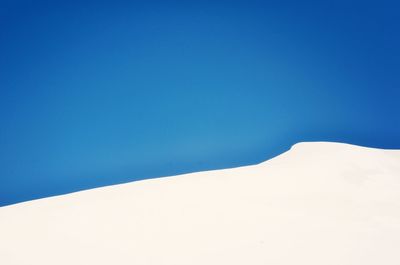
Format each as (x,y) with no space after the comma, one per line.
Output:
(317,204)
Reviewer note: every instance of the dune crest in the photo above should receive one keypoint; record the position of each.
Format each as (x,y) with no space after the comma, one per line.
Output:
(318,203)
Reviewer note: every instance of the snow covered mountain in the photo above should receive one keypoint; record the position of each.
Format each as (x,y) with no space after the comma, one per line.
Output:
(318,203)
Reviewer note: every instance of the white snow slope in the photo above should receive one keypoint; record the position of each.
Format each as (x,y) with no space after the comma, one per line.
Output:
(317,204)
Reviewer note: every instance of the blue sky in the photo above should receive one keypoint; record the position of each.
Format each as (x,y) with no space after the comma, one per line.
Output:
(100,92)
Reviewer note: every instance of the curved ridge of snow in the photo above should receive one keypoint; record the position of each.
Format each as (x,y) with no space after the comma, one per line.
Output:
(318,203)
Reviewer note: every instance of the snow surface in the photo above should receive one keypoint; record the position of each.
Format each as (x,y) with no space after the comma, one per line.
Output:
(318,203)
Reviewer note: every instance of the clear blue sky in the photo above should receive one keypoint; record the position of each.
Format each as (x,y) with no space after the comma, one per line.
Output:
(100,92)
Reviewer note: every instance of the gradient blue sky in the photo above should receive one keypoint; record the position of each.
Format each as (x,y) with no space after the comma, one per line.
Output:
(100,92)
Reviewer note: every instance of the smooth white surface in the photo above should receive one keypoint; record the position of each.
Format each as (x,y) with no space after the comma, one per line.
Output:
(317,204)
